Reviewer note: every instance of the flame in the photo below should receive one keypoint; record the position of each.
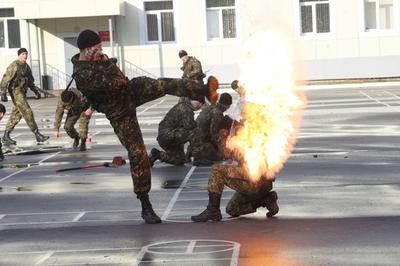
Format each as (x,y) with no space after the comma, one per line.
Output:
(272,107)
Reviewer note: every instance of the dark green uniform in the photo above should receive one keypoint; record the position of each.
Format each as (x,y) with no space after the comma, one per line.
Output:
(248,196)
(205,144)
(108,91)
(76,111)
(174,131)
(192,69)
(16,80)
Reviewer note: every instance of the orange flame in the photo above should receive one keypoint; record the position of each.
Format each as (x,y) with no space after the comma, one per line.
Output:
(272,107)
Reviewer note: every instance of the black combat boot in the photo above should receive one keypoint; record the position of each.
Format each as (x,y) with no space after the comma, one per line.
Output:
(7,140)
(153,156)
(76,142)
(40,137)
(212,212)
(148,214)
(1,154)
(83,145)
(271,204)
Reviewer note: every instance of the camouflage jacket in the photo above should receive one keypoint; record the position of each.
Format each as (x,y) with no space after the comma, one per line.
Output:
(76,107)
(209,122)
(105,87)
(18,76)
(180,116)
(192,69)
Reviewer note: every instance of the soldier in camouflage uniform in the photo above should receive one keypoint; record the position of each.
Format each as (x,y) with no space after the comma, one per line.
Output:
(108,91)
(191,67)
(2,113)
(248,196)
(204,147)
(78,110)
(177,128)
(16,80)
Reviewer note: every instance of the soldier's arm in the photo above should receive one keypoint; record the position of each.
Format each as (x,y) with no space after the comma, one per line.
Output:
(58,116)
(188,122)
(7,78)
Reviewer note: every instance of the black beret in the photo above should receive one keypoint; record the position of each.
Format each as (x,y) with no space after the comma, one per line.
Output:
(182,53)
(87,38)
(225,99)
(67,96)
(22,50)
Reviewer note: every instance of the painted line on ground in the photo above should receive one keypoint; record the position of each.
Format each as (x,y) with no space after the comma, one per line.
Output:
(147,108)
(176,194)
(29,166)
(392,94)
(79,216)
(44,258)
(376,100)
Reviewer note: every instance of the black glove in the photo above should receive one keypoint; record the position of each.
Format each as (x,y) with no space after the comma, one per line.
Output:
(4,98)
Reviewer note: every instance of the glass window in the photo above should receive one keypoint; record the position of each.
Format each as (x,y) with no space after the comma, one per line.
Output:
(221,19)
(378,15)
(10,36)
(160,21)
(314,16)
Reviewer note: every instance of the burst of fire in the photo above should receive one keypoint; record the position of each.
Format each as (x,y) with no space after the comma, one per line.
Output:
(272,108)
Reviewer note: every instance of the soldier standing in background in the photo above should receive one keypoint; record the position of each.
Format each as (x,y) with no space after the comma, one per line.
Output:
(204,147)
(176,129)
(191,67)
(78,109)
(109,91)
(16,80)
(2,113)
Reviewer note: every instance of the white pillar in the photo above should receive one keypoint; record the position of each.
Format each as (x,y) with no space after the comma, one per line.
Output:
(111,31)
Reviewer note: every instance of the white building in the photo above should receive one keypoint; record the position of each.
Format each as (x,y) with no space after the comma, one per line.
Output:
(340,38)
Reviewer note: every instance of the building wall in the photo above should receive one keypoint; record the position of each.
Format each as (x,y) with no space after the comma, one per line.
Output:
(347,52)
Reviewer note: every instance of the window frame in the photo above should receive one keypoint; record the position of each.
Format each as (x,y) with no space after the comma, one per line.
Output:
(313,5)
(5,21)
(159,26)
(379,32)
(220,21)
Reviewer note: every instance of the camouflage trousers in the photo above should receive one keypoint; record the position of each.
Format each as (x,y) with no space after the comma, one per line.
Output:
(248,196)
(70,122)
(173,143)
(129,134)
(21,109)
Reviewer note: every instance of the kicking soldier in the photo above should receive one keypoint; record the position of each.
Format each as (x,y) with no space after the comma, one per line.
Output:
(109,91)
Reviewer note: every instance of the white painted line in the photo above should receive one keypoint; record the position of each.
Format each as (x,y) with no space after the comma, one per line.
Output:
(376,100)
(2,216)
(176,194)
(78,217)
(29,166)
(363,85)
(95,133)
(190,247)
(154,105)
(392,94)
(235,254)
(71,250)
(44,258)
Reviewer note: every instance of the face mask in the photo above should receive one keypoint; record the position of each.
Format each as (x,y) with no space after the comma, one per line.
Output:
(93,53)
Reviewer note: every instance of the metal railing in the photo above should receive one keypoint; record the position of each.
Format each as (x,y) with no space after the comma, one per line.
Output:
(58,80)
(132,70)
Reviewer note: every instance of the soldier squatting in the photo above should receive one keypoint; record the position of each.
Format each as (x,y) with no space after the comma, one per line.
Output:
(102,86)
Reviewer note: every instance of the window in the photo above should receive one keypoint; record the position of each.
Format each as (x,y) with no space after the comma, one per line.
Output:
(160,21)
(10,36)
(221,19)
(314,16)
(378,15)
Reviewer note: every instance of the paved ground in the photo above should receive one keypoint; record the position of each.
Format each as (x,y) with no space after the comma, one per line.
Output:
(339,195)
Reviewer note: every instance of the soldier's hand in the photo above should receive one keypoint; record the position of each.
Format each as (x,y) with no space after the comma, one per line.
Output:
(56,134)
(38,95)
(89,112)
(4,98)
